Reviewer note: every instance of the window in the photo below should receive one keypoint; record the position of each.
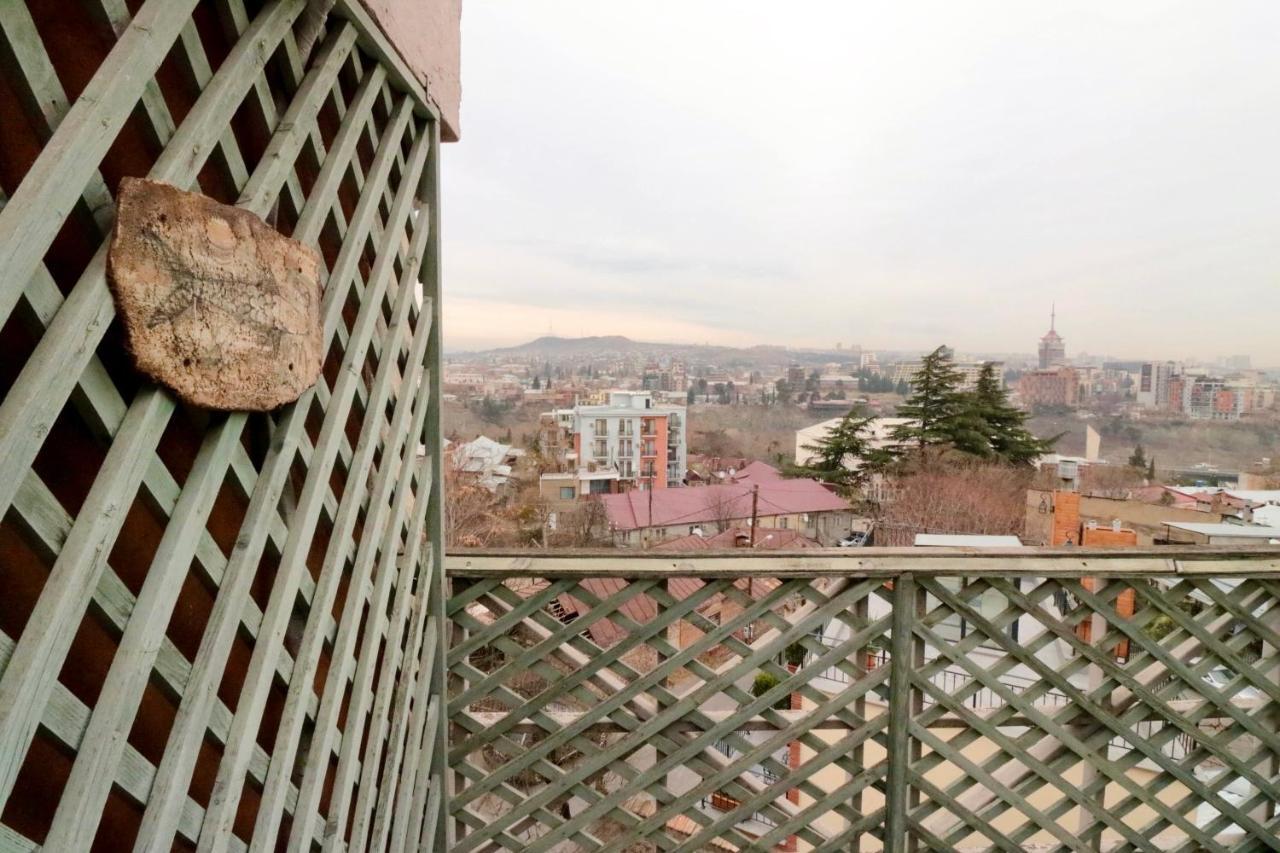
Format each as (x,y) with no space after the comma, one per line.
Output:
(602,426)
(650,449)
(567,493)
(626,427)
(648,427)
(625,447)
(784,522)
(601,448)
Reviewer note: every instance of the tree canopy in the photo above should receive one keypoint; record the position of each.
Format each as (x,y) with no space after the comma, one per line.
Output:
(980,423)
(1004,425)
(936,407)
(844,457)
(1138,458)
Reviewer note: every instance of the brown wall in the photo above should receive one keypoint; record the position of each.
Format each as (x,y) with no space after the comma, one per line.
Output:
(1145,519)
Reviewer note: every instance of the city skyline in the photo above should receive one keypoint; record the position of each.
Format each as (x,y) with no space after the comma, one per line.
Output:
(893,177)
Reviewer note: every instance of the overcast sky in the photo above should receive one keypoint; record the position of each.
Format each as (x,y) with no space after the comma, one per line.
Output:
(895,175)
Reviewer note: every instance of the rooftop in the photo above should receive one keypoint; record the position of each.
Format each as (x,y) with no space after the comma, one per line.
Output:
(966,540)
(705,504)
(1243,531)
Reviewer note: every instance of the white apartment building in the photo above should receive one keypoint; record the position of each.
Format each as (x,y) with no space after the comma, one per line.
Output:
(1153,383)
(645,443)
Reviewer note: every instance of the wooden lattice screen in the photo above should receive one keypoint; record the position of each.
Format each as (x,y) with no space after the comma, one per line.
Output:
(218,631)
(859,714)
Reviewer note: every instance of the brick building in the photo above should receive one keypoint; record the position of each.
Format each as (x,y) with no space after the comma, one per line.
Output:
(1053,386)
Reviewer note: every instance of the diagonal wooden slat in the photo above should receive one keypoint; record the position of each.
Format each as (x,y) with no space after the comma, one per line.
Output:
(730,628)
(1094,709)
(65,369)
(340,543)
(378,528)
(70,158)
(1034,735)
(75,822)
(192,716)
(292,566)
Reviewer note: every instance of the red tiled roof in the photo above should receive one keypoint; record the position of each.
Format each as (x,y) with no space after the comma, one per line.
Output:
(702,504)
(757,472)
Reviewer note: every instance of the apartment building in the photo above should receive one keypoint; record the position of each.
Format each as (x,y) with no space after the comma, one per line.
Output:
(643,442)
(969,372)
(1052,386)
(1153,383)
(1170,387)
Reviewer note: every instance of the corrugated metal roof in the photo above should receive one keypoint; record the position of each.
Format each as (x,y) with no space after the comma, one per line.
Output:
(704,504)
(966,540)
(1244,531)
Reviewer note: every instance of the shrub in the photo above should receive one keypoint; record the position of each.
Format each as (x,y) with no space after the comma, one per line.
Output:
(766,681)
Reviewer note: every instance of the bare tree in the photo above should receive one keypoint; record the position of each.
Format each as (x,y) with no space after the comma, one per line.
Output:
(586,524)
(722,503)
(472,514)
(971,497)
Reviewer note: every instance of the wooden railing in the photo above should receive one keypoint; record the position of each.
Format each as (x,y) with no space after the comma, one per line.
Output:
(604,700)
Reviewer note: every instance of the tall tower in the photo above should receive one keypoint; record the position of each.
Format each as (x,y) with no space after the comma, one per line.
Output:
(1053,349)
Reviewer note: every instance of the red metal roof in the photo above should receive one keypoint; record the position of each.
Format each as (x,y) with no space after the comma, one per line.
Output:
(703,504)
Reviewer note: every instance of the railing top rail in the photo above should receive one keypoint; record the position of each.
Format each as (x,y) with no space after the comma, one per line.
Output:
(1215,561)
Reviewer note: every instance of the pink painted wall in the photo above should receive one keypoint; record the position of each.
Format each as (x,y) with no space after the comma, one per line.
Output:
(428,35)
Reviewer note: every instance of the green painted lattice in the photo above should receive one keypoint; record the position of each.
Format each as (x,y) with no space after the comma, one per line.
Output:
(606,712)
(303,708)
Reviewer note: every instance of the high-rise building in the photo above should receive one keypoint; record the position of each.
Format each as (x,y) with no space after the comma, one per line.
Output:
(1053,349)
(1153,385)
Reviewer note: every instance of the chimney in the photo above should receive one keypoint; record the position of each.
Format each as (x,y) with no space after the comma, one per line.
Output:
(1066,519)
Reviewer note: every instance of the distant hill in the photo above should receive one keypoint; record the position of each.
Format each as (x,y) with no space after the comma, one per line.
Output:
(605,346)
(552,345)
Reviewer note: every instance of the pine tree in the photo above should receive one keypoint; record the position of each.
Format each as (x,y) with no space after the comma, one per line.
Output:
(1138,459)
(1002,424)
(1151,469)
(844,457)
(935,404)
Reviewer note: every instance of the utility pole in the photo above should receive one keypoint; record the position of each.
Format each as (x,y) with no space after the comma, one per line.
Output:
(755,503)
(650,496)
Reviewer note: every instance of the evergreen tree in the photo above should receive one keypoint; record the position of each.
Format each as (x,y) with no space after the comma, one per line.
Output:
(1151,469)
(1138,459)
(844,457)
(1003,425)
(537,383)
(935,406)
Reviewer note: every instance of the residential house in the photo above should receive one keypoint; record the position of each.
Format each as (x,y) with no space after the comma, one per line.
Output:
(644,519)
(485,462)
(1186,533)
(1054,516)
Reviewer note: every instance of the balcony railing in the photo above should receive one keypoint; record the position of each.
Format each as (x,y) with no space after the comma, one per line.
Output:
(814,701)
